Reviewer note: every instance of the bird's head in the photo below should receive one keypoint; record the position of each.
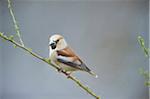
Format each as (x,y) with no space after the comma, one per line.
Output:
(57,42)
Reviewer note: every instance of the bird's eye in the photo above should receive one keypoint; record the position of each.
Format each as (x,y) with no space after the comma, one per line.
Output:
(57,41)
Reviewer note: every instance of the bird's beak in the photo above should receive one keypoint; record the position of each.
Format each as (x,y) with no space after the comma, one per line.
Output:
(53,45)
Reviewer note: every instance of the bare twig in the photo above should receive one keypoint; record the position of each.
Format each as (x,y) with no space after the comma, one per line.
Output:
(15,22)
(10,39)
(146,50)
(142,44)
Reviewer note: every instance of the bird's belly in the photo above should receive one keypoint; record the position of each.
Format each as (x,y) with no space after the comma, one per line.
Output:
(66,67)
(61,65)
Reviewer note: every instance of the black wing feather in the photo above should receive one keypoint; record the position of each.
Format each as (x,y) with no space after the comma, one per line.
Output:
(81,66)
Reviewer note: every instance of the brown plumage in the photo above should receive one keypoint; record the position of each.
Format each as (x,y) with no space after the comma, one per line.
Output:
(63,56)
(75,61)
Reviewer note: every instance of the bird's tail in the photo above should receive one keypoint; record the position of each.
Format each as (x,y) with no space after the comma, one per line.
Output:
(85,68)
(93,74)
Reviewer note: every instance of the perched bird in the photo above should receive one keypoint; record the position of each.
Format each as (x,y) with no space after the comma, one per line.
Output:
(62,56)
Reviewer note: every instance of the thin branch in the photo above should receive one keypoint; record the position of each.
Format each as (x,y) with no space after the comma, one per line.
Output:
(142,44)
(10,39)
(15,22)
(146,50)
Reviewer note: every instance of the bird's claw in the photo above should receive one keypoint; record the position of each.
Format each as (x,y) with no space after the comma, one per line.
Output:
(60,70)
(68,75)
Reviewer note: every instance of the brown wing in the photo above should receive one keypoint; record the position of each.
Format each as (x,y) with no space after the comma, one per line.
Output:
(66,52)
(68,57)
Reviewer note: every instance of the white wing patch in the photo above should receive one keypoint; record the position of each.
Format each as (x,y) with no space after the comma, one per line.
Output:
(69,59)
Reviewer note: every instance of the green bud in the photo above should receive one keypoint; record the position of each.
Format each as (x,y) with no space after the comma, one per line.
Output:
(47,60)
(1,34)
(30,49)
(14,46)
(11,37)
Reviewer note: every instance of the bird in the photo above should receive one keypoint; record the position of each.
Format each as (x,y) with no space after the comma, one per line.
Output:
(62,56)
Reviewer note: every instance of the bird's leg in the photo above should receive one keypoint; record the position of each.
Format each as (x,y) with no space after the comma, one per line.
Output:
(68,74)
(60,70)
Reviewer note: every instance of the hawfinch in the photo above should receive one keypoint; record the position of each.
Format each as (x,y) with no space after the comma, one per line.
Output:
(62,55)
